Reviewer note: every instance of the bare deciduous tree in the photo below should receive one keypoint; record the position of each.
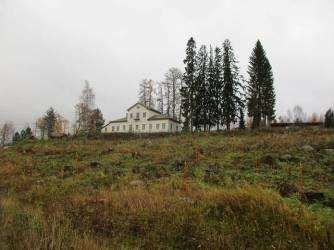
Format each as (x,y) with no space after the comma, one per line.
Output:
(84,108)
(41,125)
(6,133)
(298,114)
(160,97)
(173,84)
(146,92)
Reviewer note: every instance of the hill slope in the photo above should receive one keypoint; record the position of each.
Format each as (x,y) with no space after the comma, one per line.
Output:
(204,191)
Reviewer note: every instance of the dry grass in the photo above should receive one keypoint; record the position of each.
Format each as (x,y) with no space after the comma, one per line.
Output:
(55,196)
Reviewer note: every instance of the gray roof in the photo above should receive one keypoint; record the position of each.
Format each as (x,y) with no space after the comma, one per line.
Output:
(115,121)
(149,108)
(162,117)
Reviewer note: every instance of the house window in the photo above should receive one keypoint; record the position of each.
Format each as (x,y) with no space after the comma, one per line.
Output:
(130,127)
(150,126)
(137,116)
(171,127)
(105,130)
(144,115)
(137,127)
(143,126)
(112,128)
(123,127)
(117,128)
(157,126)
(131,115)
(163,126)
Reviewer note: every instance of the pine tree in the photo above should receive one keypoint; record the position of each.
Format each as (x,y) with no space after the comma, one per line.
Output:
(232,88)
(187,90)
(261,93)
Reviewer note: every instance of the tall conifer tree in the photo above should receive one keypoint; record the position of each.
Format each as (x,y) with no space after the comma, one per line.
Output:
(187,90)
(232,87)
(261,93)
(242,124)
(218,87)
(200,90)
(211,92)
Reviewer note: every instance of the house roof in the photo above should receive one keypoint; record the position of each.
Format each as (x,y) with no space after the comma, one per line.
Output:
(162,117)
(149,108)
(116,121)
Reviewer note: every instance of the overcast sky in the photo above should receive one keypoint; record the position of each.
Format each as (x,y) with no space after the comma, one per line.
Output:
(49,47)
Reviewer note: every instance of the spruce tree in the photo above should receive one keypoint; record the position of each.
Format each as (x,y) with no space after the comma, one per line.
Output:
(200,90)
(28,133)
(16,137)
(211,92)
(232,87)
(187,90)
(261,93)
(242,124)
(329,119)
(23,134)
(50,120)
(218,87)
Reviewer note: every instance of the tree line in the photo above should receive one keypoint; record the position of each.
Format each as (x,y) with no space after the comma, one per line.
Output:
(210,93)
(89,120)
(216,95)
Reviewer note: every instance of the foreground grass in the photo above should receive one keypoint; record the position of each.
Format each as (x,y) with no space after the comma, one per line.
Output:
(206,191)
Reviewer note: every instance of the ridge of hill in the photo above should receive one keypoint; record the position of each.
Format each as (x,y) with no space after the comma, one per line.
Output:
(258,189)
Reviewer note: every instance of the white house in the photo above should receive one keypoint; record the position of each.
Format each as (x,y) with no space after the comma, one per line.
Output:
(142,119)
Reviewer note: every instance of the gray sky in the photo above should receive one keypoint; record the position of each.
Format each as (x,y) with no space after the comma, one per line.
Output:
(48,47)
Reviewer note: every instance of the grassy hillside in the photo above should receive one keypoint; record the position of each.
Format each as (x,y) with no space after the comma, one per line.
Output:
(258,190)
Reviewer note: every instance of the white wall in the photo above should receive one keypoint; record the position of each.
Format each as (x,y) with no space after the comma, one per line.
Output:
(156,126)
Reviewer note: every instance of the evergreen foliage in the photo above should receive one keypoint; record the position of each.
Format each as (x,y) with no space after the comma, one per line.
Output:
(50,120)
(232,99)
(187,90)
(25,134)
(261,93)
(200,107)
(218,87)
(242,124)
(96,121)
(329,119)
(28,133)
(16,137)
(211,92)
